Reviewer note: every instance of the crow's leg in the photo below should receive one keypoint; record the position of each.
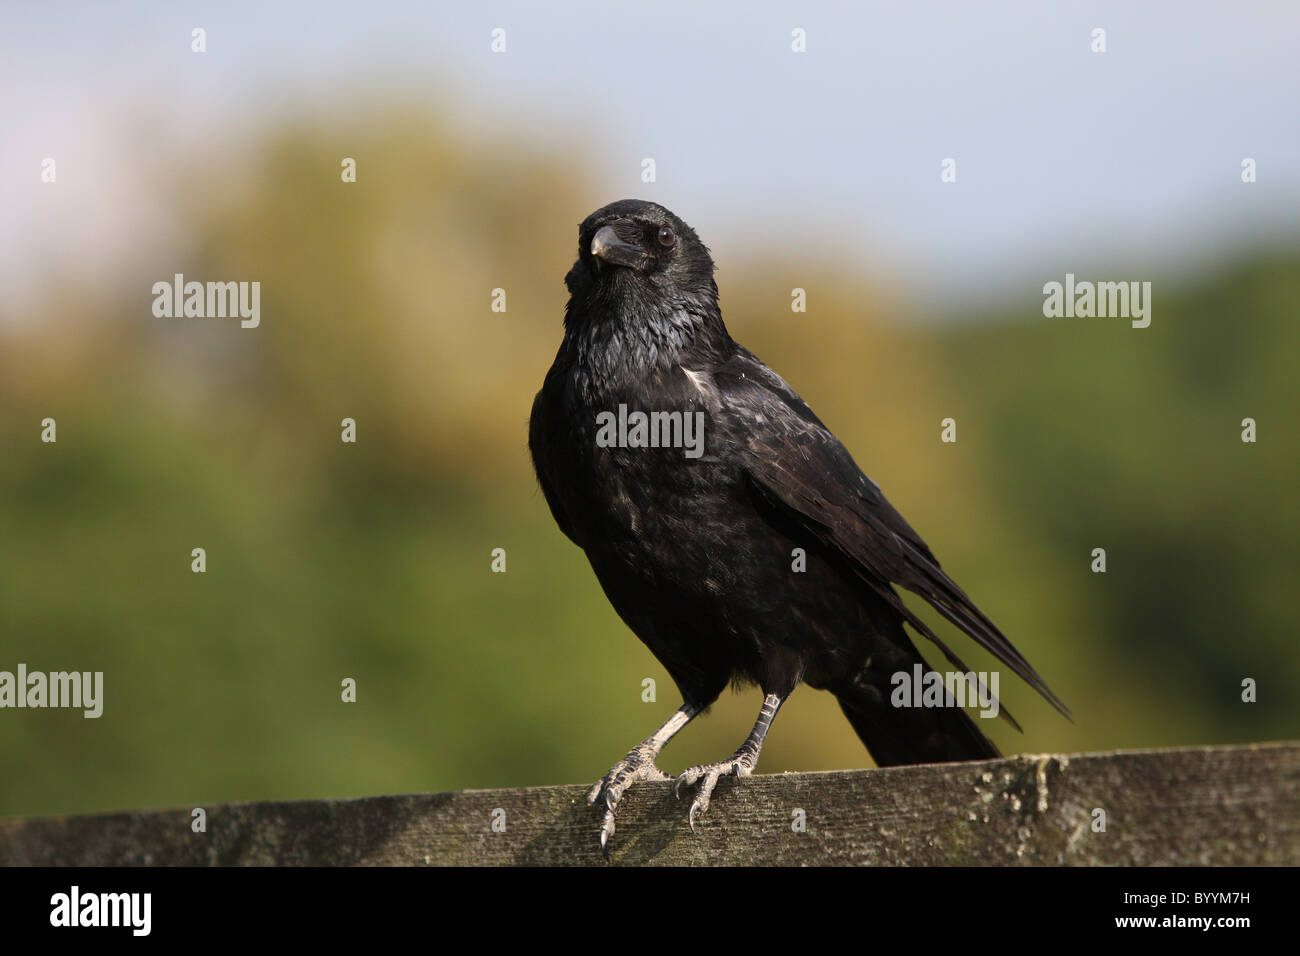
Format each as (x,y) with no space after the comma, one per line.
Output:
(742,762)
(639,764)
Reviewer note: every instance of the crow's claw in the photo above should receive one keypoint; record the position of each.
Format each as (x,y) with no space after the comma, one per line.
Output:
(742,765)
(639,764)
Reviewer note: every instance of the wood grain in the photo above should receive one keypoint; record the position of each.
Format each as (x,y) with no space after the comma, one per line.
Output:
(1197,806)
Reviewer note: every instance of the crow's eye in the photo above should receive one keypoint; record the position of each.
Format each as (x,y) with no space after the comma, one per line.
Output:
(666,237)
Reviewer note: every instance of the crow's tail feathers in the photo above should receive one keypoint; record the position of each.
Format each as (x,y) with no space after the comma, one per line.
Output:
(907,735)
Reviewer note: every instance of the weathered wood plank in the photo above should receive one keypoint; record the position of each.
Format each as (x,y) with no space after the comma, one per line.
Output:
(1220,805)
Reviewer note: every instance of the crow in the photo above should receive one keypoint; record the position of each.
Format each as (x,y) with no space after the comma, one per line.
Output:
(730,530)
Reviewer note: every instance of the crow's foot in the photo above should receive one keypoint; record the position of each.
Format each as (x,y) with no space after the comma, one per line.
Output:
(639,764)
(741,764)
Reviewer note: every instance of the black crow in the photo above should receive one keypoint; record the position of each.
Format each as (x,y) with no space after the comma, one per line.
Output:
(729,528)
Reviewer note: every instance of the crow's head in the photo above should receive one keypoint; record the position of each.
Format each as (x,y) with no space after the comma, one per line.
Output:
(637,262)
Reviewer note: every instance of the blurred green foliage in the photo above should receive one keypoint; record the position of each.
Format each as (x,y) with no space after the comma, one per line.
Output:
(371,561)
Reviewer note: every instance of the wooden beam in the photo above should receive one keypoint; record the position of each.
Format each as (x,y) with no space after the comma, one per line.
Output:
(1214,805)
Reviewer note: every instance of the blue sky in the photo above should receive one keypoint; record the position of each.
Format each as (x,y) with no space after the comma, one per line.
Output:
(1067,160)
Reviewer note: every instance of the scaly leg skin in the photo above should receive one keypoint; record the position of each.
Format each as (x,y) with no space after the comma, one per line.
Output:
(741,763)
(639,764)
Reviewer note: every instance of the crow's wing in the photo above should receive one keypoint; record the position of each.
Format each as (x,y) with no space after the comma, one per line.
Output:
(546,441)
(795,464)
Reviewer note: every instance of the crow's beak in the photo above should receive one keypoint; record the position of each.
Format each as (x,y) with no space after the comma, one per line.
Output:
(608,247)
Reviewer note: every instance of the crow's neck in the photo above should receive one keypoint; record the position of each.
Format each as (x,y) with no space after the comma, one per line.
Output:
(616,349)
